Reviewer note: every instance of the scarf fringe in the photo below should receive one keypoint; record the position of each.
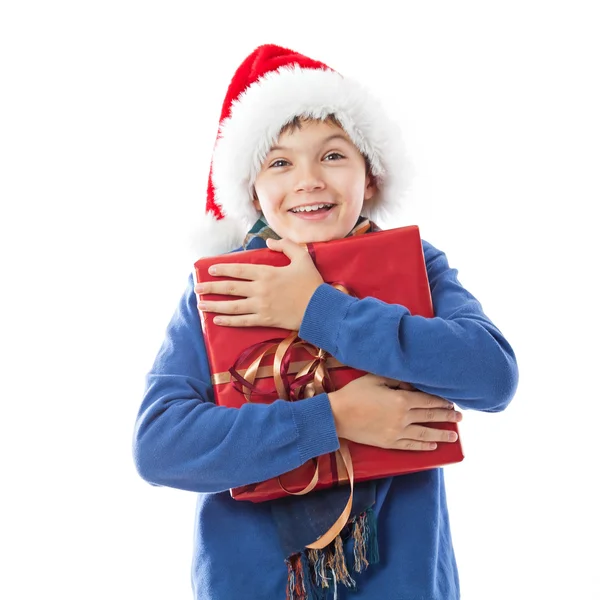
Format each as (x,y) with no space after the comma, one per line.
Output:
(372,542)
(313,573)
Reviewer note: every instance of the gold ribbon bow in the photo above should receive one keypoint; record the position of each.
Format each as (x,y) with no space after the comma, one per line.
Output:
(311,378)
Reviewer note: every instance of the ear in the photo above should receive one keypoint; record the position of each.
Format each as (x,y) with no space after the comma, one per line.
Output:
(255,201)
(370,187)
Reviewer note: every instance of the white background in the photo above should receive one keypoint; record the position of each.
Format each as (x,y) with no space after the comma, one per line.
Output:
(108,113)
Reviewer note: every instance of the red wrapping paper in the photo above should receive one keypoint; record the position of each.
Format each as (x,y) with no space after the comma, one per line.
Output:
(388,265)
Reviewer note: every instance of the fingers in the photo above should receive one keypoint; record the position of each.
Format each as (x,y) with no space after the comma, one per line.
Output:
(239,321)
(434,415)
(234,313)
(428,434)
(417,438)
(226,307)
(239,271)
(413,445)
(418,399)
(243,289)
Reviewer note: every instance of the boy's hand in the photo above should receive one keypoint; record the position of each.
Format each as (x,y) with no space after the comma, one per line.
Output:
(271,296)
(386,413)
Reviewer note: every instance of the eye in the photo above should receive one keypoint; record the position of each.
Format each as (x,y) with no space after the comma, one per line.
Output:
(280,162)
(334,156)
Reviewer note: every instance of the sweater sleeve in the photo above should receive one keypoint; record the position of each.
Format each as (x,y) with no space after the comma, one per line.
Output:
(182,439)
(459,354)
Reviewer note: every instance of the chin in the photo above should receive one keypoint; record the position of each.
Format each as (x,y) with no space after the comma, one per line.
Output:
(311,232)
(310,239)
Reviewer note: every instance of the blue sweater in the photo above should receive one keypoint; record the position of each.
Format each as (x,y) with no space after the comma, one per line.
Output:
(183,440)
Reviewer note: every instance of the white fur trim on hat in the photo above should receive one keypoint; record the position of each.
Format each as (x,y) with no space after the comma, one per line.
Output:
(212,236)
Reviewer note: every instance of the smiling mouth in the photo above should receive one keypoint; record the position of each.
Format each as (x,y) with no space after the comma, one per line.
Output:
(315,209)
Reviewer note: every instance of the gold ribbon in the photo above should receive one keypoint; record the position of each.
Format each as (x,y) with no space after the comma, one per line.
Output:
(263,372)
(320,363)
(316,386)
(335,529)
(302,368)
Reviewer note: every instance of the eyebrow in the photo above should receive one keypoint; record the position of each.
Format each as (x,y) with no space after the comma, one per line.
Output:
(335,136)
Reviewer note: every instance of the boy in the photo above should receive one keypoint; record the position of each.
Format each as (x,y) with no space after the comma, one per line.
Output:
(306,155)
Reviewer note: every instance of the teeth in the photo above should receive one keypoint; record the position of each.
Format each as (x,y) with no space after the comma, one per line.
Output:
(310,208)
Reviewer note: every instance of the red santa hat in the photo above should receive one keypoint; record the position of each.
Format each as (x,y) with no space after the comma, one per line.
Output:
(271,87)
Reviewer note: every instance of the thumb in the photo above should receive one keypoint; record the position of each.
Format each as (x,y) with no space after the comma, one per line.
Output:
(275,245)
(289,248)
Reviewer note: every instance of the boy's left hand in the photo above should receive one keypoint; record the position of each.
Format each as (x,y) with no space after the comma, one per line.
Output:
(271,296)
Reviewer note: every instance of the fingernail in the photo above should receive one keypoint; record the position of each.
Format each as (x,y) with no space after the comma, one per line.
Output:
(199,288)
(217,320)
(452,437)
(212,270)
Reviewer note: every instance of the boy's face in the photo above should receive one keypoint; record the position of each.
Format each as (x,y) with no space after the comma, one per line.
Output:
(309,167)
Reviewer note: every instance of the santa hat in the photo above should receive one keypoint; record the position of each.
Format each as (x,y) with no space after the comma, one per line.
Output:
(271,87)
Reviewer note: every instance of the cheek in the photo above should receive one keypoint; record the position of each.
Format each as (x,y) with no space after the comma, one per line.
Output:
(350,183)
(355,190)
(269,193)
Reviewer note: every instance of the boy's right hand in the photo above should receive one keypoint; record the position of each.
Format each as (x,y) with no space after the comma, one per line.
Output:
(386,413)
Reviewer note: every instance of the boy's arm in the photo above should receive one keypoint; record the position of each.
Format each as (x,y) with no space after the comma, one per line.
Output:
(183,440)
(459,354)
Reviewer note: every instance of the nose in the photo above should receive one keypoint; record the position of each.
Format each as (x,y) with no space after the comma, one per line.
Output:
(308,179)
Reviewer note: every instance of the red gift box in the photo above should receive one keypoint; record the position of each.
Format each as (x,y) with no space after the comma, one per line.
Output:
(388,265)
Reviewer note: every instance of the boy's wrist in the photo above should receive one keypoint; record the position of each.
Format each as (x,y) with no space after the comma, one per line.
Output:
(336,411)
